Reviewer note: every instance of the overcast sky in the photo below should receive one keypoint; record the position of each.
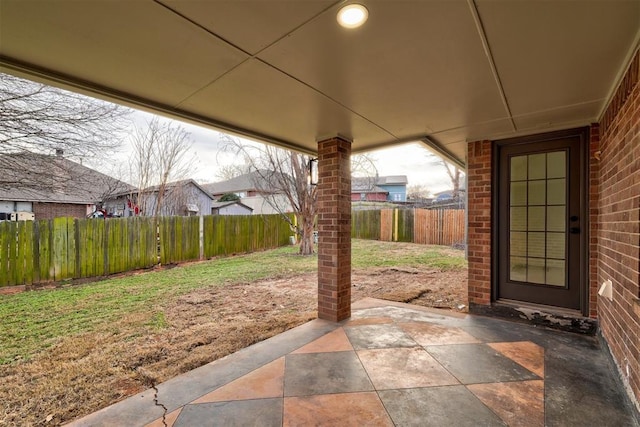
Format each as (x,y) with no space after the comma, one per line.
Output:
(407,159)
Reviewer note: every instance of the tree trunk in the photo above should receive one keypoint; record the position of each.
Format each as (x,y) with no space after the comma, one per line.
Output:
(456,183)
(306,241)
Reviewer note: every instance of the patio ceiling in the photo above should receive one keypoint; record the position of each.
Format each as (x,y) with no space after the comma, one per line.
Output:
(284,72)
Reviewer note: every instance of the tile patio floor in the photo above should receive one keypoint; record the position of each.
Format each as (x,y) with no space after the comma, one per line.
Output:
(393,364)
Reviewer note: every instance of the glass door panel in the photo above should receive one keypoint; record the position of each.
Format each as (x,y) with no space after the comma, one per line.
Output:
(537,221)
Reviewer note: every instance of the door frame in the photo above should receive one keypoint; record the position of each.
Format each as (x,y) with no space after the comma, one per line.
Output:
(583,134)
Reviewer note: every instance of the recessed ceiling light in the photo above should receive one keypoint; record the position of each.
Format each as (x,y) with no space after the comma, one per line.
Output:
(352,15)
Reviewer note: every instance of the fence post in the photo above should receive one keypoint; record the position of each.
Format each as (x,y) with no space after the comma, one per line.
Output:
(201,234)
(395,225)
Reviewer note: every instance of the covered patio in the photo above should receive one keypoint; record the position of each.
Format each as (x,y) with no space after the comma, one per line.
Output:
(539,101)
(393,364)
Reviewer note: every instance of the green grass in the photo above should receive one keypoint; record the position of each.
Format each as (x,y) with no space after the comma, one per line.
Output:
(368,253)
(33,321)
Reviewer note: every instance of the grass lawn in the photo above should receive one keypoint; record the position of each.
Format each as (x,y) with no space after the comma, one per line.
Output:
(59,347)
(32,321)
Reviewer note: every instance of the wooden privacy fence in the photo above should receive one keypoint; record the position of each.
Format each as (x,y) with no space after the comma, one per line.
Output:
(439,227)
(66,248)
(431,227)
(366,224)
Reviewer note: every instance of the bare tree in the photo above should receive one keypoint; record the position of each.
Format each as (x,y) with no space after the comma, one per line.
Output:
(178,197)
(455,176)
(35,118)
(282,178)
(364,170)
(109,185)
(228,172)
(418,192)
(453,172)
(161,154)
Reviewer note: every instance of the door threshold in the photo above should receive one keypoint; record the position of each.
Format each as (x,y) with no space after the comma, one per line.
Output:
(558,311)
(540,315)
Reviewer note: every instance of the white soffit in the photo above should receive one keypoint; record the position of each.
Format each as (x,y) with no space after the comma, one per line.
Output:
(555,54)
(250,25)
(558,117)
(285,72)
(136,47)
(414,68)
(263,100)
(474,132)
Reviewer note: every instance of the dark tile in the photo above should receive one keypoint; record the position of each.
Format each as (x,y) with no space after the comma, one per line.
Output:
(240,413)
(324,373)
(437,406)
(378,336)
(494,330)
(581,388)
(479,363)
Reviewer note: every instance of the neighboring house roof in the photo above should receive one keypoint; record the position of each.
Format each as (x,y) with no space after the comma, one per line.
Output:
(372,185)
(218,205)
(240,183)
(246,182)
(366,187)
(393,180)
(35,177)
(168,186)
(449,192)
(178,184)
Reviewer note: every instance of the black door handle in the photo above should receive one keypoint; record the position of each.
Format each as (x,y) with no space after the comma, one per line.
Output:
(574,230)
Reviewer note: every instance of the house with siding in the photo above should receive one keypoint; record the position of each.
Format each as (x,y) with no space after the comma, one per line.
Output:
(251,193)
(230,208)
(380,189)
(179,198)
(50,186)
(396,186)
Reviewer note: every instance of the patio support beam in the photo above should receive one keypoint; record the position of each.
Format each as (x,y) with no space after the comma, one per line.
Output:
(334,229)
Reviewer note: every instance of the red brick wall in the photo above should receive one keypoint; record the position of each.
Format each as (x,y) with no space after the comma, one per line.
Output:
(334,227)
(618,231)
(479,211)
(55,210)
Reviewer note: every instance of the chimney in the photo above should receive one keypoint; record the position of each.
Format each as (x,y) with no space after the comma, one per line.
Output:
(59,152)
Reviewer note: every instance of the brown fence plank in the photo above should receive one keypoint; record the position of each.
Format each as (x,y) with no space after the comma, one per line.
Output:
(386,225)
(424,226)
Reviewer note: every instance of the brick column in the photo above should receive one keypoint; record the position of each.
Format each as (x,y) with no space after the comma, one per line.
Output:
(479,223)
(334,229)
